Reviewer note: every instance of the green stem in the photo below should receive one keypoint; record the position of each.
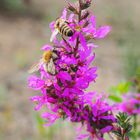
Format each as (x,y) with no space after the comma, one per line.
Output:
(135,127)
(123,137)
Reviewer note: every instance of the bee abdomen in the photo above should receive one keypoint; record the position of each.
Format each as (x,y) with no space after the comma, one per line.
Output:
(70,33)
(66,30)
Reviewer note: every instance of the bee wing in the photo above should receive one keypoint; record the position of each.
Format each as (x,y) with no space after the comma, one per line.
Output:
(35,67)
(55,32)
(55,56)
(51,67)
(45,67)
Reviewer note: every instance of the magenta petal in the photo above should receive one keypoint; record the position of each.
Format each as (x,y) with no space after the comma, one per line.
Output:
(66,92)
(39,106)
(40,100)
(64,76)
(92,45)
(71,17)
(102,32)
(35,98)
(90,59)
(83,41)
(106,129)
(109,117)
(93,21)
(52,25)
(51,118)
(35,83)
(64,14)
(82,136)
(46,47)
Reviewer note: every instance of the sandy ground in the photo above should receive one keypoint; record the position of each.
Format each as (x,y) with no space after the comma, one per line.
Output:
(20,42)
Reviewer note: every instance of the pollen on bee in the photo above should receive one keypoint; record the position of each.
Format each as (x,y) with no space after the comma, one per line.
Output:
(47,55)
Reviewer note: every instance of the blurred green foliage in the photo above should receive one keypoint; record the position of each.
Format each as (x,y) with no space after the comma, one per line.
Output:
(117,91)
(123,127)
(20,8)
(132,62)
(52,132)
(12,5)
(45,133)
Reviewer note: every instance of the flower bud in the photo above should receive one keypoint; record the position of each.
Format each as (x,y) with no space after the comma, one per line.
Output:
(85,15)
(86,4)
(86,24)
(72,8)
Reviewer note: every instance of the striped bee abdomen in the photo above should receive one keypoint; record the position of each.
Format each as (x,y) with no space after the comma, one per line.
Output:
(66,30)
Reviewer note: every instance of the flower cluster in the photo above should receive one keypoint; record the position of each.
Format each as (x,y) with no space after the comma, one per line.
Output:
(130,104)
(63,91)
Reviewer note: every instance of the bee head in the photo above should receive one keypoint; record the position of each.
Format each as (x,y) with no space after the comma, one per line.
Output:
(57,23)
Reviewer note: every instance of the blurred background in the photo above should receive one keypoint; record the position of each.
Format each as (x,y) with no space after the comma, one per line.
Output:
(24,28)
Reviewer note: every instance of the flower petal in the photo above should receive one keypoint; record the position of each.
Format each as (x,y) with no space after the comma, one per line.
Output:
(64,14)
(102,32)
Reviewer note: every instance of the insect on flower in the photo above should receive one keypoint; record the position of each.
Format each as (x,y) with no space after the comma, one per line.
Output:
(47,62)
(62,26)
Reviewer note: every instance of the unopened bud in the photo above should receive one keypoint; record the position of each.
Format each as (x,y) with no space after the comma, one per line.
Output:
(88,37)
(86,4)
(85,15)
(86,24)
(72,8)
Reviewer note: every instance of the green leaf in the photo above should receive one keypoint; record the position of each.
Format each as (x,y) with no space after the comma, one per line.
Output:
(124,87)
(115,98)
(121,88)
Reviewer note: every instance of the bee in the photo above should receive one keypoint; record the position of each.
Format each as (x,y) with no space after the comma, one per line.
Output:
(47,62)
(62,26)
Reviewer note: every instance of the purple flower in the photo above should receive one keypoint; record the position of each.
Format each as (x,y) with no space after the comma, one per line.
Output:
(96,33)
(50,117)
(36,83)
(40,100)
(64,92)
(130,104)
(46,47)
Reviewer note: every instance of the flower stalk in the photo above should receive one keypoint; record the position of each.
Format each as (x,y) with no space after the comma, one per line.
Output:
(66,73)
(135,126)
(79,19)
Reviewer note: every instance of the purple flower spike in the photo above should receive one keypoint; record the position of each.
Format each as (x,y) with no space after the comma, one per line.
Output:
(67,70)
(130,104)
